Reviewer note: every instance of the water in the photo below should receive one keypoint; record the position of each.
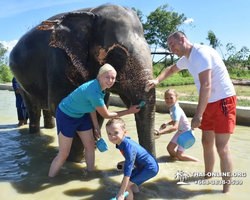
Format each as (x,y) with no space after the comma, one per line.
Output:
(25,160)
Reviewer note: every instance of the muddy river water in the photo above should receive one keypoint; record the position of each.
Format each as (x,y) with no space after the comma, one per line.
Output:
(25,160)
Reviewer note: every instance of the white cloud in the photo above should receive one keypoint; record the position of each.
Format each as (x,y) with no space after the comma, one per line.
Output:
(190,20)
(9,45)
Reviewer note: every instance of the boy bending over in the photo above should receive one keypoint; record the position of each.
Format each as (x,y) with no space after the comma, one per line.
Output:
(139,165)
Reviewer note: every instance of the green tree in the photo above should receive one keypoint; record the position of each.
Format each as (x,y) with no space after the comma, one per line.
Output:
(160,24)
(3,51)
(244,53)
(5,73)
(214,41)
(237,58)
(139,13)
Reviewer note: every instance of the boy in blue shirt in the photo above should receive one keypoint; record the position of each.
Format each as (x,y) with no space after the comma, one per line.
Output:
(139,165)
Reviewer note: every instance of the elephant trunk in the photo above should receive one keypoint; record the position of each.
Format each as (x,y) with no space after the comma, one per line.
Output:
(145,123)
(135,90)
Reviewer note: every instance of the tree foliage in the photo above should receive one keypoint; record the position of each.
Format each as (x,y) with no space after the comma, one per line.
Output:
(139,13)
(5,73)
(214,41)
(3,51)
(160,24)
(240,58)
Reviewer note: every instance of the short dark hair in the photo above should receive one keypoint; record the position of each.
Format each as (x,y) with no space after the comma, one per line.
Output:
(116,120)
(177,35)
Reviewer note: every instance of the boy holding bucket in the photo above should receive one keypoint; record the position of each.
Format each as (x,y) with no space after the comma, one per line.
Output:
(179,123)
(139,165)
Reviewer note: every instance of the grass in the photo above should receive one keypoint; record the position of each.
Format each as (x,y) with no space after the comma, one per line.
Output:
(189,93)
(183,83)
(239,73)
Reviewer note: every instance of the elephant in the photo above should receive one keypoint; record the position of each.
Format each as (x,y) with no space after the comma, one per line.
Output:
(61,53)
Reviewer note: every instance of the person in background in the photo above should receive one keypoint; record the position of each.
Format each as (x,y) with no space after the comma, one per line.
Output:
(22,113)
(139,165)
(179,123)
(77,113)
(216,109)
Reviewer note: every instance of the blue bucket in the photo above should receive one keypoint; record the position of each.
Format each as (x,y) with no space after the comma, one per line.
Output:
(101,145)
(186,139)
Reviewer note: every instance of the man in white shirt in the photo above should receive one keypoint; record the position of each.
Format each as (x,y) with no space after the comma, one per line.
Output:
(216,110)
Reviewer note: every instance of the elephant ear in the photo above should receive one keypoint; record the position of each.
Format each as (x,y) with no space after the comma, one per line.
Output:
(71,33)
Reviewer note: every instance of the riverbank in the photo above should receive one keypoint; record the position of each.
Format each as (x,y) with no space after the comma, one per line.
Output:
(242,113)
(245,82)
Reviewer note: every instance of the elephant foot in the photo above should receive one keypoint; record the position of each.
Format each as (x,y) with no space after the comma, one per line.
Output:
(34,128)
(49,123)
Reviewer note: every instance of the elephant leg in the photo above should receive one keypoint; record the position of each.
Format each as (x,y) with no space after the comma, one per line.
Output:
(34,118)
(145,127)
(76,153)
(49,121)
(34,113)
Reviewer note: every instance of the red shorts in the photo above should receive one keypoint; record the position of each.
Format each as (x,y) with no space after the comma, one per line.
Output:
(220,116)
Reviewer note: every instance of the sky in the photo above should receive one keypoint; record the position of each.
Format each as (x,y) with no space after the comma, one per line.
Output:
(228,19)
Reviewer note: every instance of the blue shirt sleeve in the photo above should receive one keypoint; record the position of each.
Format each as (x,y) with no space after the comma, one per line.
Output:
(176,114)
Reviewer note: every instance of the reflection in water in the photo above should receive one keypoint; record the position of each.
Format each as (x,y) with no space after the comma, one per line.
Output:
(26,158)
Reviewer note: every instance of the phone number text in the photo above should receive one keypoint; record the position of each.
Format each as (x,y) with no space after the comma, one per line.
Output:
(218,182)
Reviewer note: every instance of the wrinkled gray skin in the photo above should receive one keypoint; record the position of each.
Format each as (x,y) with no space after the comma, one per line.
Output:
(52,60)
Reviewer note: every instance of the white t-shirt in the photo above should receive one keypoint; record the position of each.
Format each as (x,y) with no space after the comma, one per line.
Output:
(203,58)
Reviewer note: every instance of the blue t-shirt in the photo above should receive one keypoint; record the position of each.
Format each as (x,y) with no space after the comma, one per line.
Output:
(135,156)
(83,99)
